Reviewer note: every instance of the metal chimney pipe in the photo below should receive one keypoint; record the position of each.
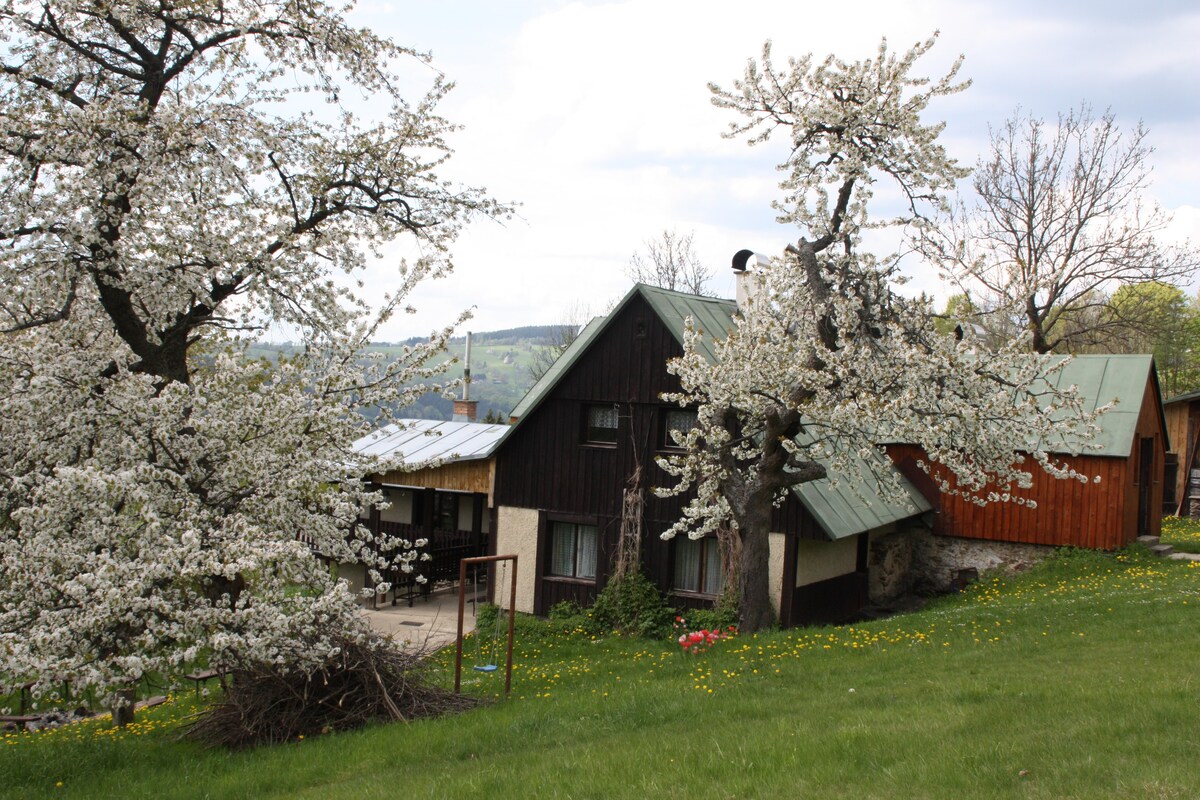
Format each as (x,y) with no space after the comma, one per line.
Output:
(467,371)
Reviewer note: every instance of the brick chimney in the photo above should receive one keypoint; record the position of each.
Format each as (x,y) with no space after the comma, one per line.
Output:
(466,410)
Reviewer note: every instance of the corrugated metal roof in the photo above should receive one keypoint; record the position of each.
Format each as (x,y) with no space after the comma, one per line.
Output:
(854,507)
(415,440)
(712,315)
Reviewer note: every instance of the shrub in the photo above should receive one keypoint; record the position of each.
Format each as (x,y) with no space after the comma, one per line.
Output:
(632,606)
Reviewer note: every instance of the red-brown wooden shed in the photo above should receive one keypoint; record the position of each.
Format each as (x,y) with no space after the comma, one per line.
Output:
(1127,458)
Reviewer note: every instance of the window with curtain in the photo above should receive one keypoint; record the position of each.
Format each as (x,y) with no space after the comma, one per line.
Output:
(698,566)
(573,550)
(601,425)
(680,420)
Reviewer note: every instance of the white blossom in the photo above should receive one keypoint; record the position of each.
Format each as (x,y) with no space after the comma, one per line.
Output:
(826,364)
(164,196)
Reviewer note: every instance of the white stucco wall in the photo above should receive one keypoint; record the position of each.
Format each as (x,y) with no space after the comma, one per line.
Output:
(400,509)
(820,561)
(776,545)
(516,534)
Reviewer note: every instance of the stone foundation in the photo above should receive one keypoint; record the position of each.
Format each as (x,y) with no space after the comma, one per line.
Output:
(913,560)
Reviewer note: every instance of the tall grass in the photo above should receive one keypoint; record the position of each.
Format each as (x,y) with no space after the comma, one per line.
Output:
(1072,680)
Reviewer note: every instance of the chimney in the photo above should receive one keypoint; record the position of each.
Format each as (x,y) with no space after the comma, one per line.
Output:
(745,276)
(466,409)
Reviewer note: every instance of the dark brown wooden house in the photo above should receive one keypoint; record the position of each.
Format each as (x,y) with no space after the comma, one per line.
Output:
(590,429)
(1125,502)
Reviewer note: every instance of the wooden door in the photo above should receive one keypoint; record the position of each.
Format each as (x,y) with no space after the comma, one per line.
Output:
(1145,483)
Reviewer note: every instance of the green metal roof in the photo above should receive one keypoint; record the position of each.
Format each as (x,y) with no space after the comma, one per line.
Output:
(713,316)
(849,508)
(559,368)
(843,510)
(1102,379)
(1181,398)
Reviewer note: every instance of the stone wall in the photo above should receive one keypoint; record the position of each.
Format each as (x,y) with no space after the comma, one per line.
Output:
(913,560)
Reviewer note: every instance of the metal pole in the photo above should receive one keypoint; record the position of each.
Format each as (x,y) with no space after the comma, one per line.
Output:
(512,619)
(462,607)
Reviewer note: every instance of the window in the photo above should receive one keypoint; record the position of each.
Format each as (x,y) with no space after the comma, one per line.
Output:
(681,420)
(698,566)
(601,425)
(573,550)
(445,511)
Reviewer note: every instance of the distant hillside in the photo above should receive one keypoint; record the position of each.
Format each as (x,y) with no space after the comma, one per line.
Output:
(529,334)
(500,367)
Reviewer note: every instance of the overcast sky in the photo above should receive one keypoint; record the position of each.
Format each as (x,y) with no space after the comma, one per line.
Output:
(596,118)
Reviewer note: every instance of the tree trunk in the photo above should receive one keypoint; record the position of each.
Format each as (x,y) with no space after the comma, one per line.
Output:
(122,710)
(754,529)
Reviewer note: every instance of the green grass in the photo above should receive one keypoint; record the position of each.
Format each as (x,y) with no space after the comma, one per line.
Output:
(1181,533)
(1073,680)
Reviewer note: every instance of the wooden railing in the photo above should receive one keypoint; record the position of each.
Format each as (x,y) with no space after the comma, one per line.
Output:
(444,548)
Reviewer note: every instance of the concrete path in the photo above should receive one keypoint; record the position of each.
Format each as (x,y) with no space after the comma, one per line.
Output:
(430,624)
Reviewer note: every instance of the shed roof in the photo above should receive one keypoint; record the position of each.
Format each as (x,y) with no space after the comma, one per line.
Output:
(416,440)
(1183,398)
(1117,379)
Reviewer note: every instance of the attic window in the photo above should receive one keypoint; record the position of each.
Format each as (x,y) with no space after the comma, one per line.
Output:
(680,420)
(639,328)
(600,425)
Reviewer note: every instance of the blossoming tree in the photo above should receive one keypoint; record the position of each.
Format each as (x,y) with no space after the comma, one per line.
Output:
(826,364)
(175,177)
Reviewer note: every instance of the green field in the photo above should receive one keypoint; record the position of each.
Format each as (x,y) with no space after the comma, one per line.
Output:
(1073,680)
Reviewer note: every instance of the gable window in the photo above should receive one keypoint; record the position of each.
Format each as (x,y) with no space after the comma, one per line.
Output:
(698,566)
(600,425)
(573,550)
(679,420)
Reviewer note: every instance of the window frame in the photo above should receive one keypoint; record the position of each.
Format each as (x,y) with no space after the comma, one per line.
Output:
(440,502)
(664,428)
(587,429)
(710,549)
(552,528)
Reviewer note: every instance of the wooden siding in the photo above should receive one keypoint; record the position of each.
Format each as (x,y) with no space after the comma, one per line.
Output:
(546,465)
(1101,515)
(1183,429)
(459,476)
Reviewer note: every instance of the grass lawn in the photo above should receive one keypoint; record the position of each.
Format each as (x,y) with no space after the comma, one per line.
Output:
(1071,681)
(1181,533)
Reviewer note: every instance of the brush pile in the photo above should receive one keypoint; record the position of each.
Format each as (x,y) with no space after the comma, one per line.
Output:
(367,680)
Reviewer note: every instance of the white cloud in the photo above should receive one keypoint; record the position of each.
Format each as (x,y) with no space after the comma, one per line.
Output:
(596,117)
